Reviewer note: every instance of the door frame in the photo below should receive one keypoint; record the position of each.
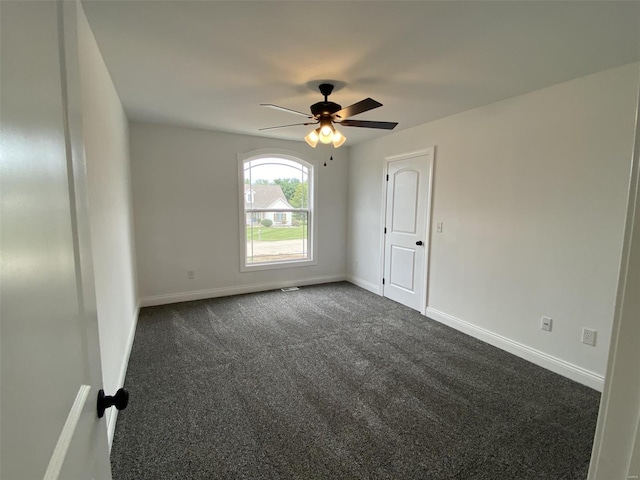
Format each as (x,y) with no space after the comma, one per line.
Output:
(616,443)
(429,151)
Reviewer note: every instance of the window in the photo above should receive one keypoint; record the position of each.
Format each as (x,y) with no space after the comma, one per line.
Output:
(277,211)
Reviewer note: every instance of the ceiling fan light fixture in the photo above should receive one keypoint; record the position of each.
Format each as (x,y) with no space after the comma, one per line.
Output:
(312,138)
(326,113)
(338,139)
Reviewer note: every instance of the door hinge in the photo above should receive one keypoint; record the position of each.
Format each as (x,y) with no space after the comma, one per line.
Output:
(385,229)
(383,281)
(387,177)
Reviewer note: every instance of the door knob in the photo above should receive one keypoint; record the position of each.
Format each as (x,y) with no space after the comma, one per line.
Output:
(120,400)
(419,242)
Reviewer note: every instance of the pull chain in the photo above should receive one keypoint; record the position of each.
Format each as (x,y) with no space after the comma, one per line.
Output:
(330,158)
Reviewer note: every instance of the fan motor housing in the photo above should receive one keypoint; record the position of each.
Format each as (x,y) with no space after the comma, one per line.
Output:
(325,109)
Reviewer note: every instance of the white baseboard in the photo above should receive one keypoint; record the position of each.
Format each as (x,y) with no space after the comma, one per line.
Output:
(544,360)
(113,412)
(364,284)
(235,290)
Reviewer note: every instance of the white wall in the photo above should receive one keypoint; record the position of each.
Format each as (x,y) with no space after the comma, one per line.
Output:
(185,191)
(532,194)
(106,137)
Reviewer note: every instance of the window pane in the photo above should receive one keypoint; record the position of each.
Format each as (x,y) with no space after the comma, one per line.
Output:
(283,240)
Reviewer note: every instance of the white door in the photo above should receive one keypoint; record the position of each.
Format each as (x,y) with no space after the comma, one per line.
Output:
(49,353)
(406,226)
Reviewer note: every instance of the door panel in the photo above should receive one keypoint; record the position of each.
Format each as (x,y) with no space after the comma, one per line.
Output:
(402,266)
(406,219)
(48,321)
(405,201)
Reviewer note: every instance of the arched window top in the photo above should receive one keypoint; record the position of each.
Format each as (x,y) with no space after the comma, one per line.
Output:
(268,166)
(270,169)
(277,162)
(265,156)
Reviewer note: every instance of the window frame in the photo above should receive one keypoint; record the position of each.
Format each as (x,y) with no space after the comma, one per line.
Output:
(312,223)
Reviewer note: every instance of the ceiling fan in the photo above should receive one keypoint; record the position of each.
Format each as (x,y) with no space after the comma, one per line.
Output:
(327,113)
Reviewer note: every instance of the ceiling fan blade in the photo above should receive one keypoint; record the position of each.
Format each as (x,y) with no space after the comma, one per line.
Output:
(291,125)
(369,124)
(277,107)
(357,108)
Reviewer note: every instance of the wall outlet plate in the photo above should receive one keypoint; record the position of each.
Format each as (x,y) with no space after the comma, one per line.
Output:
(589,336)
(191,274)
(546,324)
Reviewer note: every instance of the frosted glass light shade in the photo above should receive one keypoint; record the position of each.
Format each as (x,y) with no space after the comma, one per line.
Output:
(312,138)
(338,139)
(326,138)
(326,131)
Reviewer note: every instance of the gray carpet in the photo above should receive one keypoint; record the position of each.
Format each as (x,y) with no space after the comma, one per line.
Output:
(333,382)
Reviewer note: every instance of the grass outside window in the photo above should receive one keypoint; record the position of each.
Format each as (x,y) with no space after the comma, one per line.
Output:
(273,234)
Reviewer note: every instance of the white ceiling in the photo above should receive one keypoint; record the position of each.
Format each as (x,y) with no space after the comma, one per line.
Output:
(209,64)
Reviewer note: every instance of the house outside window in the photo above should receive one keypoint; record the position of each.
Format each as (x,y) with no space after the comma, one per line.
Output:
(277,226)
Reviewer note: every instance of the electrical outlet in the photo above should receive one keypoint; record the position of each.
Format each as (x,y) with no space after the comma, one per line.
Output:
(546,323)
(589,337)
(356,265)
(439,227)
(191,274)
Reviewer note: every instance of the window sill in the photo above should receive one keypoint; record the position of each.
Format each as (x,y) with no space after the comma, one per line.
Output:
(277,265)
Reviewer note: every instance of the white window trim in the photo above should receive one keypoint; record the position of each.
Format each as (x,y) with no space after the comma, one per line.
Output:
(313,221)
